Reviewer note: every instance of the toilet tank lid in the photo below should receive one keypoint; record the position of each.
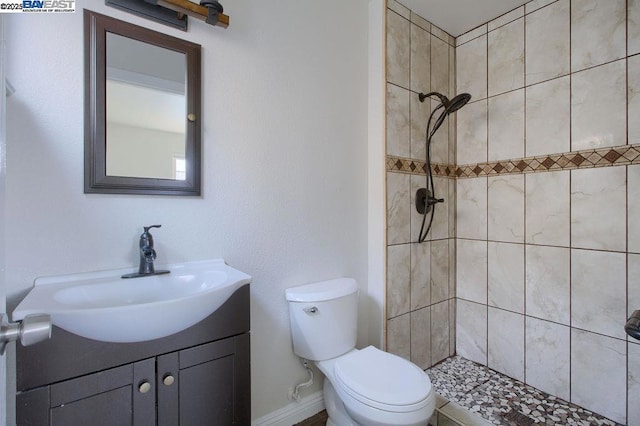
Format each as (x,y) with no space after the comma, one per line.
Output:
(323,290)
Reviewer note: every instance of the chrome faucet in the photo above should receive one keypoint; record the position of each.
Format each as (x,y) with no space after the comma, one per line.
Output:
(147,256)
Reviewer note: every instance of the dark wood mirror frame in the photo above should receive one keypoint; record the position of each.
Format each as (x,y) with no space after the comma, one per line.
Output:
(96,27)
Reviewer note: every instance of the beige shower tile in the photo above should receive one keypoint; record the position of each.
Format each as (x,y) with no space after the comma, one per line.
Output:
(398,208)
(547,43)
(439,66)
(471,331)
(470,35)
(471,70)
(505,349)
(633,27)
(633,208)
(472,133)
(506,18)
(420,21)
(547,283)
(417,182)
(442,34)
(398,121)
(534,5)
(471,270)
(452,267)
(633,280)
(506,208)
(451,205)
(439,332)
(547,208)
(598,208)
(598,374)
(633,384)
(548,357)
(419,114)
(471,208)
(633,93)
(399,9)
(598,113)
(420,275)
(421,338)
(548,117)
(597,32)
(398,49)
(598,292)
(453,123)
(452,327)
(439,271)
(420,61)
(452,70)
(506,58)
(440,225)
(398,280)
(399,336)
(506,276)
(506,126)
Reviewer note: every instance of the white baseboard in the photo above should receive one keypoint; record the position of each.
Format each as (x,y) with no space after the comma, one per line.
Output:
(293,413)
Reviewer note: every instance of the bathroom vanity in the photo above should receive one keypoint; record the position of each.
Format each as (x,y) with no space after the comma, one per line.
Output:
(199,376)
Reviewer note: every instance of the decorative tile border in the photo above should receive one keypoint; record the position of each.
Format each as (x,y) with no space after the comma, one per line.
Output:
(602,157)
(417,167)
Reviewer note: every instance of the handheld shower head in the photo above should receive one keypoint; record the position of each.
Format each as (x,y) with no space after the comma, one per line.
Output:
(425,197)
(457,102)
(450,106)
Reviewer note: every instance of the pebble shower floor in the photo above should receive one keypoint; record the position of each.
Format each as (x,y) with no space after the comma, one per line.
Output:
(501,400)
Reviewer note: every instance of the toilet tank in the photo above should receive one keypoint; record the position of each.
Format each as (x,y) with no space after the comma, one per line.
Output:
(324,318)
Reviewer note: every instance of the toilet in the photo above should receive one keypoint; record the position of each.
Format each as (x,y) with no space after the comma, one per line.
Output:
(362,387)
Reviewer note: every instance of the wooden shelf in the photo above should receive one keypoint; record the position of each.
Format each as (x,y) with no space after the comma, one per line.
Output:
(194,10)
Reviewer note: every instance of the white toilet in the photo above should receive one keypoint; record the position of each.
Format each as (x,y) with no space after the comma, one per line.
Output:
(362,387)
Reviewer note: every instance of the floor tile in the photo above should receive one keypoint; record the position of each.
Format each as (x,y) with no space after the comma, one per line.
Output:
(488,396)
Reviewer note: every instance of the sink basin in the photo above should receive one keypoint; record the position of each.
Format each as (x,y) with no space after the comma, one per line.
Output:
(103,306)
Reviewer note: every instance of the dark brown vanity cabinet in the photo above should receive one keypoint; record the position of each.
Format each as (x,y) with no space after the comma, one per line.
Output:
(204,378)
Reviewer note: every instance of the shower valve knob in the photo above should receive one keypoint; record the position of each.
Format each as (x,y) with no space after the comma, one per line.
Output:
(425,199)
(432,200)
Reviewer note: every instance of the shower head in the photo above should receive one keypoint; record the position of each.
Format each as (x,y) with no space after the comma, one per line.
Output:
(449,106)
(456,103)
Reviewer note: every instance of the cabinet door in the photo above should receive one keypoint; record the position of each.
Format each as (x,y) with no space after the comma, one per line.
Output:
(212,382)
(206,393)
(108,398)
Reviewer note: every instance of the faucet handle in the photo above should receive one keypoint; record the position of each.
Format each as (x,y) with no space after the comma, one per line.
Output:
(146,228)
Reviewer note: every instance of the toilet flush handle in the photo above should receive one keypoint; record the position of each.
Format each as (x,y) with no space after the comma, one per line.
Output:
(311,310)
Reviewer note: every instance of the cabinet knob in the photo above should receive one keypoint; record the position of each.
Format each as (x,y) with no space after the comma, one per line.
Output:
(144,387)
(168,380)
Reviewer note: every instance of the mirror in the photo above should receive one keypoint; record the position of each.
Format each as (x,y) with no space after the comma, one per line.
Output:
(142,110)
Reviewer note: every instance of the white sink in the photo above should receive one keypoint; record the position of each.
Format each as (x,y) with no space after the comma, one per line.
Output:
(103,306)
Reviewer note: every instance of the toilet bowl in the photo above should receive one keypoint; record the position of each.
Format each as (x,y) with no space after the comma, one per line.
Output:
(378,388)
(362,387)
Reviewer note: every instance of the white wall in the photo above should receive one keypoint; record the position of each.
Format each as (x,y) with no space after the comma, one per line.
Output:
(284,163)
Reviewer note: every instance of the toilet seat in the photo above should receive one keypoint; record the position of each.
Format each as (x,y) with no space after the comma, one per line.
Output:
(382,380)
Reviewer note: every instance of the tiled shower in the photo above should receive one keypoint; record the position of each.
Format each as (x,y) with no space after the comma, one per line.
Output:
(539,242)
(421,277)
